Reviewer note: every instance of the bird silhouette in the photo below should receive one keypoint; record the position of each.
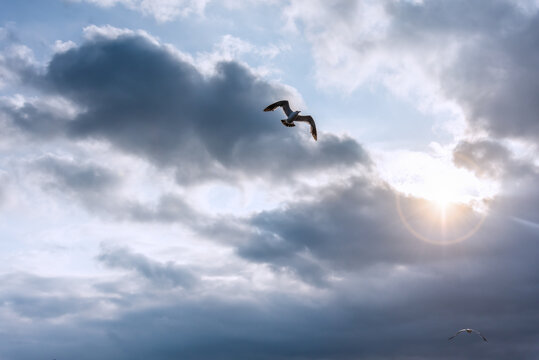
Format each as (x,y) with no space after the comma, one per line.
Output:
(469,331)
(293,116)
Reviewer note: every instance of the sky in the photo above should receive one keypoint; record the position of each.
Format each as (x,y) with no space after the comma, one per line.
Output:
(151,210)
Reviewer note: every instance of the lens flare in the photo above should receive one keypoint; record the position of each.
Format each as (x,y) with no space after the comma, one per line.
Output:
(451,217)
(444,212)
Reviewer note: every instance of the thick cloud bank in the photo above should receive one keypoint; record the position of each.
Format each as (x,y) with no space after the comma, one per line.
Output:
(143,98)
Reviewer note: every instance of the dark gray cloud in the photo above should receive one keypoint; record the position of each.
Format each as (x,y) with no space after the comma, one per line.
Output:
(45,307)
(355,226)
(40,298)
(76,176)
(90,184)
(519,194)
(95,187)
(397,297)
(34,120)
(488,158)
(170,208)
(155,272)
(145,100)
(349,226)
(382,313)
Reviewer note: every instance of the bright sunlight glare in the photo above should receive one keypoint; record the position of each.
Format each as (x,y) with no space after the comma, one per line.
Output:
(434,178)
(450,203)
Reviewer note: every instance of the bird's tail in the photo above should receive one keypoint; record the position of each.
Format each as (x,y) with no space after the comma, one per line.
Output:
(287,124)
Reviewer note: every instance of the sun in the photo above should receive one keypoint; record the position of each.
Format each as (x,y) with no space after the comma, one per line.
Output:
(437,201)
(446,187)
(435,178)
(442,201)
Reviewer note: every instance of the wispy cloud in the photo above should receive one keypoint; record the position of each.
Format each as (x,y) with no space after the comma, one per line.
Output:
(161,10)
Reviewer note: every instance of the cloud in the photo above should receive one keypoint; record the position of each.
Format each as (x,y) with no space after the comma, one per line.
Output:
(491,159)
(80,178)
(161,10)
(348,226)
(17,63)
(62,46)
(4,182)
(169,208)
(416,307)
(492,76)
(381,283)
(44,298)
(107,191)
(477,56)
(232,48)
(99,189)
(139,96)
(90,184)
(77,177)
(155,272)
(42,118)
(353,226)
(488,158)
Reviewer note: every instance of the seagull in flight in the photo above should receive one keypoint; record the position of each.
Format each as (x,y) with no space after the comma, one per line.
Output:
(292,116)
(469,331)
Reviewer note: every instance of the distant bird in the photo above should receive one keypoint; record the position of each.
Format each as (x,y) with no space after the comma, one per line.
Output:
(469,331)
(292,116)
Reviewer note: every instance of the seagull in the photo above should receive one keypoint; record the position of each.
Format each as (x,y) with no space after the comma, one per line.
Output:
(469,331)
(292,116)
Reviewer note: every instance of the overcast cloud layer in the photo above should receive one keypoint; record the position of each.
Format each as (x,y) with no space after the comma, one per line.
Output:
(122,160)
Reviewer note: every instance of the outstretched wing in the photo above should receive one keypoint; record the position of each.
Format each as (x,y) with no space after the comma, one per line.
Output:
(310,120)
(283,104)
(479,333)
(458,332)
